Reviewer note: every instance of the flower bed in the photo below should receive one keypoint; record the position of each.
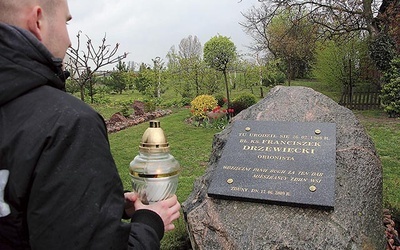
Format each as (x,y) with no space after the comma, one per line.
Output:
(118,122)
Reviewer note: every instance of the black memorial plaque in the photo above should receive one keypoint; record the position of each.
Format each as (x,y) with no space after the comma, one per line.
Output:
(279,162)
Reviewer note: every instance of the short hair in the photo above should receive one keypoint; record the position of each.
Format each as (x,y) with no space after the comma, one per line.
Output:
(8,10)
(49,5)
(11,10)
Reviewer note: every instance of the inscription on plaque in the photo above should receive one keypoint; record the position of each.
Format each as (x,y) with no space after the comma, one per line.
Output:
(279,162)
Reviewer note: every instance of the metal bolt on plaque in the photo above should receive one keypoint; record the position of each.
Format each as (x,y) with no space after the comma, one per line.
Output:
(154,171)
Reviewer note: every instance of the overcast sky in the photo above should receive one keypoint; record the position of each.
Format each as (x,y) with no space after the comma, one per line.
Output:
(148,28)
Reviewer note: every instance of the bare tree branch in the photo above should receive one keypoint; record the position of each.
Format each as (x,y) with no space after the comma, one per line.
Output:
(335,18)
(83,64)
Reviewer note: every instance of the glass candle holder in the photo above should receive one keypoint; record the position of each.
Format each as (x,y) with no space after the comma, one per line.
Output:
(154,171)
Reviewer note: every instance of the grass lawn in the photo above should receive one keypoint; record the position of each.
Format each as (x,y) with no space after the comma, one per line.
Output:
(191,146)
(385,132)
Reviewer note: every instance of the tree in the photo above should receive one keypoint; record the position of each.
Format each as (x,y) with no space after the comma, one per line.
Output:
(144,79)
(158,68)
(341,18)
(394,30)
(293,41)
(190,47)
(84,64)
(382,51)
(190,53)
(341,64)
(119,78)
(149,81)
(173,59)
(219,52)
(213,81)
(186,65)
(391,89)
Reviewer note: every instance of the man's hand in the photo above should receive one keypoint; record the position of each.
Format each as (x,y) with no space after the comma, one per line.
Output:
(130,198)
(168,210)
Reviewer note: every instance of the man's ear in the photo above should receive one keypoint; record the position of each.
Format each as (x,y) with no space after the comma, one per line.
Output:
(35,22)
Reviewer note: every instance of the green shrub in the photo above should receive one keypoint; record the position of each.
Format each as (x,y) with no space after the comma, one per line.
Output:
(101,96)
(382,51)
(149,105)
(71,86)
(273,74)
(101,99)
(243,102)
(390,93)
(221,99)
(125,107)
(185,101)
(202,104)
(273,79)
(176,102)
(171,103)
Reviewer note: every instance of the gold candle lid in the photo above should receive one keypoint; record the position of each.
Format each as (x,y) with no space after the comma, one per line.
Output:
(154,139)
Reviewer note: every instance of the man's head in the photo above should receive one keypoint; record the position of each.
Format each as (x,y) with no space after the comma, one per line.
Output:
(46,19)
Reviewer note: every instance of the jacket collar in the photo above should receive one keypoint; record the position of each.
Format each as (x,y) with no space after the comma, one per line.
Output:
(25,64)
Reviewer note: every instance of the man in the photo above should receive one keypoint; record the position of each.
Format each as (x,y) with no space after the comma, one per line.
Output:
(59,187)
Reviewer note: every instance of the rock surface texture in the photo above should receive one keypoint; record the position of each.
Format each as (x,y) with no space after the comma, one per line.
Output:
(355,222)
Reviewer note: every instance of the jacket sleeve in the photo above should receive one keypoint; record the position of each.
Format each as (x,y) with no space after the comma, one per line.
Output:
(146,223)
(76,200)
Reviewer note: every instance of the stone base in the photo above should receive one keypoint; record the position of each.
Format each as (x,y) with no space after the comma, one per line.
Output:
(354,223)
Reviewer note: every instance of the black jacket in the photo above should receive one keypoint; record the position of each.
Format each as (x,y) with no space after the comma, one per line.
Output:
(59,187)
